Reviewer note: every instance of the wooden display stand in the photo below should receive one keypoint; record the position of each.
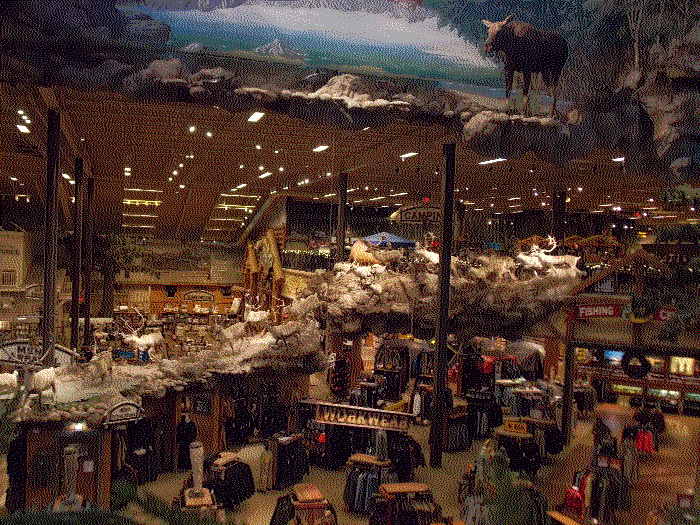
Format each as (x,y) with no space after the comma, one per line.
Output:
(309,504)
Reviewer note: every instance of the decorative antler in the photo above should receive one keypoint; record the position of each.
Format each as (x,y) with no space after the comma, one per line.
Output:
(553,242)
(143,321)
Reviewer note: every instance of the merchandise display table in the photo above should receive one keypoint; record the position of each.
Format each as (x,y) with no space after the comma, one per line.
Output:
(390,490)
(310,507)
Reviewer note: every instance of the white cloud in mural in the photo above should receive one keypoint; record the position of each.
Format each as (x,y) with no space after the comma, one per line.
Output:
(361,27)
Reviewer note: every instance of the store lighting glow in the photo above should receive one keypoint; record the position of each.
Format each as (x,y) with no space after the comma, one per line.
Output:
(618,159)
(146,190)
(261,167)
(399,194)
(596,211)
(22,128)
(13,179)
(580,189)
(255,117)
(328,174)
(209,134)
(514,205)
(175,172)
(230,219)
(140,202)
(241,166)
(320,148)
(170,179)
(616,208)
(377,198)
(265,175)
(20,112)
(151,226)
(182,186)
(281,168)
(257,146)
(330,195)
(491,161)
(140,215)
(193,129)
(353,189)
(467,203)
(513,198)
(181,165)
(605,205)
(71,182)
(409,154)
(240,186)
(544,204)
(651,199)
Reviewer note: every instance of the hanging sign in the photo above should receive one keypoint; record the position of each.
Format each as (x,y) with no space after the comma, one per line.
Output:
(20,352)
(123,413)
(418,215)
(598,310)
(331,414)
(201,296)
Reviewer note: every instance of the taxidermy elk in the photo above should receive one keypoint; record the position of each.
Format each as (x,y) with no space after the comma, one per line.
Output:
(527,50)
(148,342)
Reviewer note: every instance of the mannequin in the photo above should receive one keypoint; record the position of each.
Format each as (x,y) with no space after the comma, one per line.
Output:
(186,433)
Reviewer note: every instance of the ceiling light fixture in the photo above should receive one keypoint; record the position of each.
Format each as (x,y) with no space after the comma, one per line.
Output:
(65,176)
(330,195)
(23,129)
(170,179)
(71,182)
(365,129)
(181,165)
(209,134)
(618,159)
(241,166)
(514,198)
(174,172)
(14,179)
(377,198)
(193,129)
(265,175)
(320,148)
(281,168)
(277,151)
(182,186)
(20,112)
(409,154)
(240,186)
(478,209)
(257,146)
(256,116)
(491,161)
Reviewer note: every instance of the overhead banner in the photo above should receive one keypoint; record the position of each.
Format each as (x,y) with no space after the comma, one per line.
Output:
(418,215)
(332,414)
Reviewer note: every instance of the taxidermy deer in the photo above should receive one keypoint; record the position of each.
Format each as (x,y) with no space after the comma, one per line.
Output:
(527,50)
(143,343)
(37,382)
(230,333)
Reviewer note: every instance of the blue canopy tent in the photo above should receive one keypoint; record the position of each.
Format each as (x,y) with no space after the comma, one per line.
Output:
(381,239)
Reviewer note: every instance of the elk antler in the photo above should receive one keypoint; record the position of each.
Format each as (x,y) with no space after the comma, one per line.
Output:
(553,242)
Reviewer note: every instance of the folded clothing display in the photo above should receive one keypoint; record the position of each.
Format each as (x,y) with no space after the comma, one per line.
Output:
(360,486)
(232,484)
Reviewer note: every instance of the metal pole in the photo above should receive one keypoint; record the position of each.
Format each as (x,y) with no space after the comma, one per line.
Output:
(569,377)
(558,214)
(342,203)
(89,224)
(77,254)
(437,426)
(53,140)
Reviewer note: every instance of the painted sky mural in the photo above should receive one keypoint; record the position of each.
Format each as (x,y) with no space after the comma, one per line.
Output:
(364,36)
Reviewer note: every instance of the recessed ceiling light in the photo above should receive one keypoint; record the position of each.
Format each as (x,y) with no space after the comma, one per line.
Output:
(409,154)
(241,186)
(71,182)
(265,175)
(22,128)
(261,167)
(241,166)
(492,161)
(514,198)
(330,195)
(209,134)
(170,179)
(181,165)
(127,168)
(182,186)
(65,176)
(618,159)
(544,204)
(365,129)
(20,112)
(286,188)
(193,129)
(328,174)
(257,146)
(579,188)
(256,116)
(366,188)
(174,172)
(320,148)
(82,139)
(13,179)
(277,151)
(281,168)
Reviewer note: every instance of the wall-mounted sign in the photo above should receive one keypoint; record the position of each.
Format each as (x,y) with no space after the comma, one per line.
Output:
(362,417)
(665,314)
(200,296)
(123,413)
(21,351)
(598,310)
(201,405)
(35,291)
(418,215)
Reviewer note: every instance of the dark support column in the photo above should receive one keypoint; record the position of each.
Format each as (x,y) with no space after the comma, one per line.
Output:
(89,226)
(77,258)
(569,378)
(558,214)
(53,141)
(437,426)
(342,203)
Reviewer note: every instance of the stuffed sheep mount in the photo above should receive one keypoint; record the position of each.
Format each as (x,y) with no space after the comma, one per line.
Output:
(378,284)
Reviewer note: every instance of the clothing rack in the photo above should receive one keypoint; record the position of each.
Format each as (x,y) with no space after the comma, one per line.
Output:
(365,476)
(229,478)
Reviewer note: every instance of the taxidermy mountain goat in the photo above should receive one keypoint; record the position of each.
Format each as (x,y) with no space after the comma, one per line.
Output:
(528,50)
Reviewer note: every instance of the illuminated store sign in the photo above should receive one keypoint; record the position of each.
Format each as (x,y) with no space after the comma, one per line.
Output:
(362,417)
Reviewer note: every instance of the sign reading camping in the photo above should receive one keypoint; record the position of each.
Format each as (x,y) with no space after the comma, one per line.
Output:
(362,417)
(418,215)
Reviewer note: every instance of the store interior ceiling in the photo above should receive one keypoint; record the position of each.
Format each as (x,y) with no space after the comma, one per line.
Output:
(191,172)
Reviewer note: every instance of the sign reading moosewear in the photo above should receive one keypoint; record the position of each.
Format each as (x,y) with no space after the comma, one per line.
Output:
(362,417)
